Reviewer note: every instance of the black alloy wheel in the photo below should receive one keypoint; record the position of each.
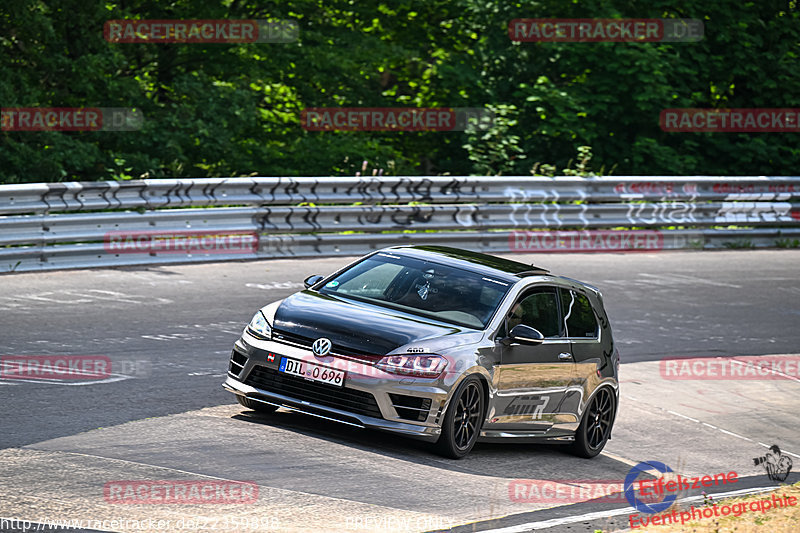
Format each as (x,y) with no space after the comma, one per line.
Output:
(463,420)
(595,428)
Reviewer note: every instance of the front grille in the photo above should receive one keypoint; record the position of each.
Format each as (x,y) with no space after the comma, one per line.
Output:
(346,399)
(411,407)
(336,349)
(237,363)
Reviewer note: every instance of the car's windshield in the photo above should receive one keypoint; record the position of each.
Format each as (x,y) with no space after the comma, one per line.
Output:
(421,287)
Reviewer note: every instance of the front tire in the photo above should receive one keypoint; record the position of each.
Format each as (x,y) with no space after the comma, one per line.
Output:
(256,406)
(463,420)
(595,428)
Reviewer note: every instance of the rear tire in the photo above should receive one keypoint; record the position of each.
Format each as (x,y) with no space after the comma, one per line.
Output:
(256,406)
(463,420)
(595,428)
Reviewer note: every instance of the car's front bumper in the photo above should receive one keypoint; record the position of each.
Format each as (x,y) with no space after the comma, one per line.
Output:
(427,433)
(259,372)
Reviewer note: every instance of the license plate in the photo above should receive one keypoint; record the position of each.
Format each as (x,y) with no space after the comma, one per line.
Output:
(312,372)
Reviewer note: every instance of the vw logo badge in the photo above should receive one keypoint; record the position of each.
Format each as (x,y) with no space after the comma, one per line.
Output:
(321,347)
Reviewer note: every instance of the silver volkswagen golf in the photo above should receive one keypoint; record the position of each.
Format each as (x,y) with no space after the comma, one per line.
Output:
(439,344)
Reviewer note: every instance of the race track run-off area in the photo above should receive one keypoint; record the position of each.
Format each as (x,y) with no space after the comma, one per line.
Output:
(69,449)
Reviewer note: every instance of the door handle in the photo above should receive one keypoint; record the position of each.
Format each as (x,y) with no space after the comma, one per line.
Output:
(564,356)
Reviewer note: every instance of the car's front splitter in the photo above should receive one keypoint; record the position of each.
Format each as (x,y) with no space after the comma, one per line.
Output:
(425,433)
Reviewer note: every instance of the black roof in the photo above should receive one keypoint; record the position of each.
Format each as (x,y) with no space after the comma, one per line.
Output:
(477,261)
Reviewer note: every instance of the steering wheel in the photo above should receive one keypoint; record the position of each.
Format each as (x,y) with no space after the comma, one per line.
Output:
(401,286)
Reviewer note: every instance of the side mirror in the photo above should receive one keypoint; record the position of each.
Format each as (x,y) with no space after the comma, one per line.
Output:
(312,280)
(526,335)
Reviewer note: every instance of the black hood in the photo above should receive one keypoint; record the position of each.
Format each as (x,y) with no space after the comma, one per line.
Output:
(353,327)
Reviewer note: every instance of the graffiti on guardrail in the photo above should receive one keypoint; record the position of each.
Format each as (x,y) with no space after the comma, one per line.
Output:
(759,196)
(155,194)
(539,207)
(524,195)
(369,218)
(521,209)
(662,212)
(583,215)
(755,212)
(306,216)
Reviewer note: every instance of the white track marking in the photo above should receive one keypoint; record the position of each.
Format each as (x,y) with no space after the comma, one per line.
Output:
(683,416)
(715,428)
(682,278)
(618,458)
(787,376)
(64,382)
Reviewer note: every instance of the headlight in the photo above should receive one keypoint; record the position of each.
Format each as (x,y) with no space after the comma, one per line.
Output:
(426,366)
(259,327)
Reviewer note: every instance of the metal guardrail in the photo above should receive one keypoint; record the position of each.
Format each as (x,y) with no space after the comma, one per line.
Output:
(78,225)
(171,193)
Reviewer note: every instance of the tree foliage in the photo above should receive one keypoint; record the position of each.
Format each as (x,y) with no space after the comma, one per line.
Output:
(234,109)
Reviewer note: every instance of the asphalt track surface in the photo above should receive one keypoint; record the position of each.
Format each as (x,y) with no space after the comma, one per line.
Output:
(162,414)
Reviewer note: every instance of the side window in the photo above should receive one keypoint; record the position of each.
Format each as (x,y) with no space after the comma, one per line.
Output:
(580,318)
(538,310)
